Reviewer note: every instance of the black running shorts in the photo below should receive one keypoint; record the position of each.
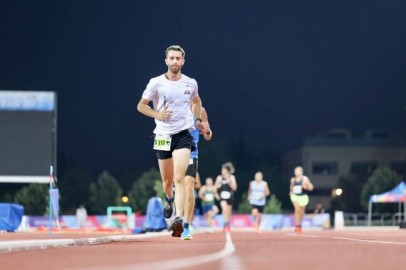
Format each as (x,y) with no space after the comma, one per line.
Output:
(180,140)
(228,201)
(259,207)
(192,168)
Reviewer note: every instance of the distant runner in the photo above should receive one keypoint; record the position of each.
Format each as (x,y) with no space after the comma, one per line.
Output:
(299,185)
(257,192)
(192,173)
(208,194)
(226,185)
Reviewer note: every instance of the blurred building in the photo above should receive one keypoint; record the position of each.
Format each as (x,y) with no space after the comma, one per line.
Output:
(339,153)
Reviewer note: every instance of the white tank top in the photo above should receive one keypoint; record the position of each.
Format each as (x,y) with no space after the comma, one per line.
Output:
(176,95)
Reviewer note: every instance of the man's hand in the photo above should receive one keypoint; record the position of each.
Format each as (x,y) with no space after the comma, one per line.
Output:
(206,129)
(200,125)
(163,115)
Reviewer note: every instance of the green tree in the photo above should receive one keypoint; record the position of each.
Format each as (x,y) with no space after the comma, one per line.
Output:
(381,180)
(34,198)
(74,187)
(273,206)
(105,192)
(244,205)
(352,187)
(143,189)
(159,189)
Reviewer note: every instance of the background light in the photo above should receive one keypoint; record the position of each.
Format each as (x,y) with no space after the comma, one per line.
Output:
(338,192)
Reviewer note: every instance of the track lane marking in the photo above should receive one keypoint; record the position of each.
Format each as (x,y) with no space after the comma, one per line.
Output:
(180,263)
(21,245)
(350,239)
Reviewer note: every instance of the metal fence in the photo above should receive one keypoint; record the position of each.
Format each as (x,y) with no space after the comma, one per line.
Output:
(378,219)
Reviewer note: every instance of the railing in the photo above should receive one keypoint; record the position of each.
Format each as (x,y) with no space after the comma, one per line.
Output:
(361,219)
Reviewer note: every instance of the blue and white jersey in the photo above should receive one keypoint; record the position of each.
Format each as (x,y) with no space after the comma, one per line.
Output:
(196,136)
(258,193)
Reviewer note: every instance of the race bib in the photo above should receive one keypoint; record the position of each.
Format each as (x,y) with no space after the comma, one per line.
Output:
(162,142)
(225,195)
(297,189)
(208,197)
(258,196)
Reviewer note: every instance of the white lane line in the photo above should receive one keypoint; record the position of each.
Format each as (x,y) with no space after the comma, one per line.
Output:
(10,246)
(231,262)
(350,239)
(370,241)
(19,245)
(184,262)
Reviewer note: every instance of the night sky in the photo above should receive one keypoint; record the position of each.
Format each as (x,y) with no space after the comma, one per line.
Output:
(273,71)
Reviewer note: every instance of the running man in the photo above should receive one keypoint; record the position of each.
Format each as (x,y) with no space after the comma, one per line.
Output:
(176,104)
(226,186)
(208,194)
(258,190)
(191,175)
(299,185)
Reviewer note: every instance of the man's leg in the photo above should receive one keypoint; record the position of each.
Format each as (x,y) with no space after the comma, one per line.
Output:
(229,211)
(298,222)
(259,220)
(180,164)
(189,198)
(225,209)
(254,213)
(166,170)
(302,212)
(209,218)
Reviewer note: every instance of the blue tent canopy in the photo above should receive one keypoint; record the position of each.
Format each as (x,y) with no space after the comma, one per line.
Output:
(397,194)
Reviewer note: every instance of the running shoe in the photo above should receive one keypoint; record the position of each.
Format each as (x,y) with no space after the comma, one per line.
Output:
(168,210)
(176,227)
(186,235)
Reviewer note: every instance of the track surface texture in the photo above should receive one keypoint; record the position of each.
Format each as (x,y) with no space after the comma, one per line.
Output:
(356,249)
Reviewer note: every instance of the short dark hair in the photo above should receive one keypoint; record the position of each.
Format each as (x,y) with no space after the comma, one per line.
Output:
(175,48)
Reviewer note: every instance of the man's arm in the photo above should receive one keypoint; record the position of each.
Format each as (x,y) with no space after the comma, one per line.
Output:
(197,112)
(216,193)
(307,184)
(233,183)
(201,192)
(205,118)
(198,183)
(218,182)
(145,109)
(267,191)
(291,186)
(249,192)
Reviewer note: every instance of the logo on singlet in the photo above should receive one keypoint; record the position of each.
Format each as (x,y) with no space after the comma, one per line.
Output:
(187,92)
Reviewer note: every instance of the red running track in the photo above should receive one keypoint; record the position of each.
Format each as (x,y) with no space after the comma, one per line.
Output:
(368,249)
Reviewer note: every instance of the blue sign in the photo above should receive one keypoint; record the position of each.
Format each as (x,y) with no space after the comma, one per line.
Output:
(27,101)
